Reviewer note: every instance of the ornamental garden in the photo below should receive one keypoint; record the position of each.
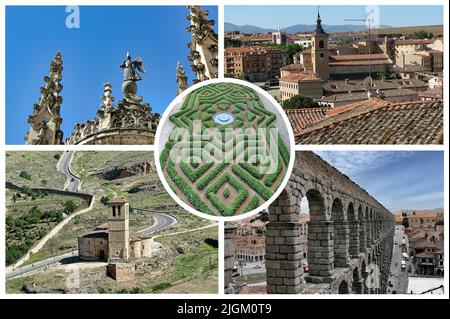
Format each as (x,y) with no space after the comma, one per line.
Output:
(224,154)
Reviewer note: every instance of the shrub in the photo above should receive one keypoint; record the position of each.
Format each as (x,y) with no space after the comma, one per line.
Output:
(191,195)
(104,200)
(26,175)
(256,185)
(240,198)
(133,190)
(44,182)
(70,206)
(253,204)
(194,174)
(226,192)
(57,156)
(205,180)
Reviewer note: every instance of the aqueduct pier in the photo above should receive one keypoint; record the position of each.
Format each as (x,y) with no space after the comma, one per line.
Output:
(350,235)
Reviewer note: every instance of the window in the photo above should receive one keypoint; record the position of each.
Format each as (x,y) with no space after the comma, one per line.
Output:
(321,44)
(114,211)
(118,210)
(321,55)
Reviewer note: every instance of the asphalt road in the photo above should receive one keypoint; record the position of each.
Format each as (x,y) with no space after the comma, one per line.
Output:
(162,221)
(68,257)
(73,182)
(398,276)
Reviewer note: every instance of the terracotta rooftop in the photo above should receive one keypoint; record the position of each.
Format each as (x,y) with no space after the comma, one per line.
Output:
(436,92)
(300,118)
(359,57)
(357,85)
(252,50)
(376,121)
(298,77)
(413,41)
(293,67)
(359,96)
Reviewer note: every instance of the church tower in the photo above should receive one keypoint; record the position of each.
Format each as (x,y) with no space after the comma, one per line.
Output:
(319,51)
(118,230)
(45,121)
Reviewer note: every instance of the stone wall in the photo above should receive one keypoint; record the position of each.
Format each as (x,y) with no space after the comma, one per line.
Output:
(120,271)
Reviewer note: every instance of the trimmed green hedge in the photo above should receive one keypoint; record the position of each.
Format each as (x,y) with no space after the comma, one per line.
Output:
(194,174)
(253,204)
(187,190)
(240,198)
(256,185)
(205,180)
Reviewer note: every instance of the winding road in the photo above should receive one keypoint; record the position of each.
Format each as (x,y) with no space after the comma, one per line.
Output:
(73,182)
(161,221)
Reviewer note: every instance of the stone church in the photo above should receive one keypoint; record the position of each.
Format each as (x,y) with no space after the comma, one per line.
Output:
(131,121)
(113,242)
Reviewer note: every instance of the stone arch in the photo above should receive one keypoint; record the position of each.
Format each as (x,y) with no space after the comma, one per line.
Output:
(353,226)
(357,282)
(343,288)
(340,234)
(320,249)
(362,229)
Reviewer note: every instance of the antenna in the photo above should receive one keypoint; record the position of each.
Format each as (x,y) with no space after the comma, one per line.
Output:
(368,21)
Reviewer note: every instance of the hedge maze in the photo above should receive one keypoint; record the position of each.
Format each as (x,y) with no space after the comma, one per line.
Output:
(224,169)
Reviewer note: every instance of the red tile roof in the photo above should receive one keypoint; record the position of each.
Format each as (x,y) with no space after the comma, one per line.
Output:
(300,118)
(293,67)
(378,122)
(297,77)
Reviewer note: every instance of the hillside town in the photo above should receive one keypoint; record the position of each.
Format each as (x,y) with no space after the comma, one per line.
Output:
(324,79)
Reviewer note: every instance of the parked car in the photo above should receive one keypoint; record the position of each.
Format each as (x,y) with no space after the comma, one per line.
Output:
(272,82)
(403,265)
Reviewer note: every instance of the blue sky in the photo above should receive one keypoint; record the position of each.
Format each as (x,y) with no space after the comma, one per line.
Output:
(398,180)
(91,57)
(273,16)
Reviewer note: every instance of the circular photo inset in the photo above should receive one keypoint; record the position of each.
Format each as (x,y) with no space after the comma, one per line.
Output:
(224,148)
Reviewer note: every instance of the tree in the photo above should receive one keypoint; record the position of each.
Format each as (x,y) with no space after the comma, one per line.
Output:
(70,206)
(405,222)
(386,73)
(300,102)
(104,200)
(421,34)
(233,43)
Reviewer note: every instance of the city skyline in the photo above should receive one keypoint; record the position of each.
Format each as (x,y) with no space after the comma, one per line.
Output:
(271,16)
(91,57)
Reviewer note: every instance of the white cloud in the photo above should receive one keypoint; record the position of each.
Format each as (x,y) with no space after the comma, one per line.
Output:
(349,162)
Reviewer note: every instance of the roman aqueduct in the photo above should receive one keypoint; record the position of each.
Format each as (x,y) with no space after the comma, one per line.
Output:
(350,235)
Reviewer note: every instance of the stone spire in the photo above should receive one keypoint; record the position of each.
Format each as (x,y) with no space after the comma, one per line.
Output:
(204,47)
(319,28)
(106,107)
(45,121)
(181,79)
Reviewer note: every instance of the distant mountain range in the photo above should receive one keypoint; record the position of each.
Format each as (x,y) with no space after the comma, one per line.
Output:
(431,210)
(296,28)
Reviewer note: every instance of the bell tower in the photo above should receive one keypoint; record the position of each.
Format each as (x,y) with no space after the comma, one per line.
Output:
(118,230)
(320,53)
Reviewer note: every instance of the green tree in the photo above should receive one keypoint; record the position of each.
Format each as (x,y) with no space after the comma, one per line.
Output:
(300,102)
(232,43)
(57,156)
(421,34)
(386,73)
(104,200)
(70,206)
